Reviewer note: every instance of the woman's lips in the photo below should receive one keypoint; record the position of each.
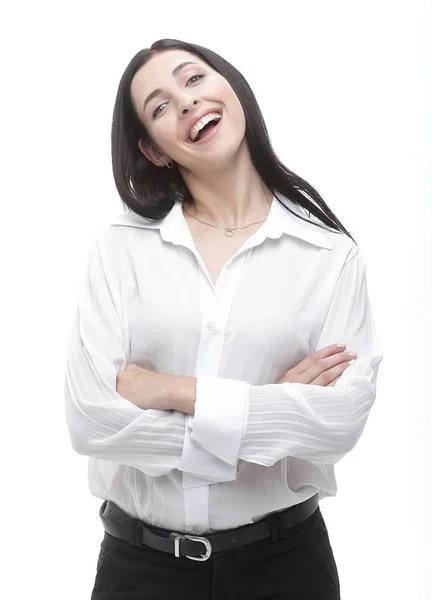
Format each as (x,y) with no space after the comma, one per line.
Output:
(209,135)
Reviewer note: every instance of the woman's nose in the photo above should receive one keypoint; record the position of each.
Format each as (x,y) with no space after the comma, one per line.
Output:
(188,104)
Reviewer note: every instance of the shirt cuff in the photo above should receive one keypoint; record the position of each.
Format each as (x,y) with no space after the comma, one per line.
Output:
(220,411)
(199,466)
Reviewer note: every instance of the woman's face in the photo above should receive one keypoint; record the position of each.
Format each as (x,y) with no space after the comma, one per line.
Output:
(194,90)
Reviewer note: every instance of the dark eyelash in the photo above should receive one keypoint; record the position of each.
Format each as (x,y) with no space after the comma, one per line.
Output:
(157,107)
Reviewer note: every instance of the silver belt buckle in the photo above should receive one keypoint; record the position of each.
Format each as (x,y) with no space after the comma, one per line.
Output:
(195,538)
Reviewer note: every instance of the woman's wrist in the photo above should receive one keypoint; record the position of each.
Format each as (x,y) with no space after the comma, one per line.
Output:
(181,394)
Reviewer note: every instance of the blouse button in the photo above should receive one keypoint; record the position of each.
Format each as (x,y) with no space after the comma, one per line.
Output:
(211,327)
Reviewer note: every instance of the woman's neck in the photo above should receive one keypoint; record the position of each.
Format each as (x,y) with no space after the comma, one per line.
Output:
(232,196)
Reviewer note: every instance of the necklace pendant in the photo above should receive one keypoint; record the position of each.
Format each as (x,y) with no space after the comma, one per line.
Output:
(229,232)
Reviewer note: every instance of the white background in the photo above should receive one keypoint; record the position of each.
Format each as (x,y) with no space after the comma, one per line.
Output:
(345,89)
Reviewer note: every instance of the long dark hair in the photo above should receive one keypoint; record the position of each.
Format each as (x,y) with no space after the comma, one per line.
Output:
(151,191)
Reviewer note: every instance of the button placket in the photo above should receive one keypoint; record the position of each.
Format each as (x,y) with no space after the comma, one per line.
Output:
(215,312)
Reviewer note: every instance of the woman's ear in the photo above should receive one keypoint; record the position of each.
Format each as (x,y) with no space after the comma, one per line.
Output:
(153,153)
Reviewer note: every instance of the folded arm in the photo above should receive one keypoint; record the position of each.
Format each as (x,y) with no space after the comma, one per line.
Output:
(101,423)
(263,423)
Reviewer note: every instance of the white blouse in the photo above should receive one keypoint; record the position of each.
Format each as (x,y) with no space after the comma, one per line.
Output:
(253,446)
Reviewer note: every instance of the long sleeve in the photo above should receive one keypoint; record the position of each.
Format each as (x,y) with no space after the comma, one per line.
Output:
(101,423)
(262,424)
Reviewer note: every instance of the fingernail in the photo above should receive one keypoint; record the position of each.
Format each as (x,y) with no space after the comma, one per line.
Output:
(341,345)
(353,354)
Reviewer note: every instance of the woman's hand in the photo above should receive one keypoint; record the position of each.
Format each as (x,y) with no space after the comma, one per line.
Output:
(145,389)
(323,367)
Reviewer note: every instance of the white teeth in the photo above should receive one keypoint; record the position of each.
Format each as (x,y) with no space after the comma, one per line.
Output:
(193,133)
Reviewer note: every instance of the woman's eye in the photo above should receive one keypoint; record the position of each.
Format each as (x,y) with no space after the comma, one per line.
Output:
(194,76)
(156,110)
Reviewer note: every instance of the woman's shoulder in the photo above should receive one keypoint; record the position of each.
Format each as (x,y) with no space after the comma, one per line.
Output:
(117,239)
(342,245)
(123,225)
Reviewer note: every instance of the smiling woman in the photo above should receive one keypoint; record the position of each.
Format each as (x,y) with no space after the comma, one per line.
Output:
(203,377)
(163,92)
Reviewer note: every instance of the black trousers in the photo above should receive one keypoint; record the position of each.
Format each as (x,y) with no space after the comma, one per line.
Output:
(299,566)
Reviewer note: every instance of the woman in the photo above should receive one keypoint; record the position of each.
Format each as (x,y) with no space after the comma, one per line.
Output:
(204,379)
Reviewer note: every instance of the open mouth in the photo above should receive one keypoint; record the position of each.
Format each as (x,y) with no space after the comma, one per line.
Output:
(208,131)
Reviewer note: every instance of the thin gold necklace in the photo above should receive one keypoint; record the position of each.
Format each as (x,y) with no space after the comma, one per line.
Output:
(229,231)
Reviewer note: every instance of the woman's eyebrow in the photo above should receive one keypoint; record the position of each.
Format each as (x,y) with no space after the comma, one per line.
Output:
(159,90)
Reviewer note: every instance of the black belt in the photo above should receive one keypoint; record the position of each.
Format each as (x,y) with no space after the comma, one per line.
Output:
(121,525)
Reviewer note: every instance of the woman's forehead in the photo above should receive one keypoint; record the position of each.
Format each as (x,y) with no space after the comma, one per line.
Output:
(160,67)
(171,58)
